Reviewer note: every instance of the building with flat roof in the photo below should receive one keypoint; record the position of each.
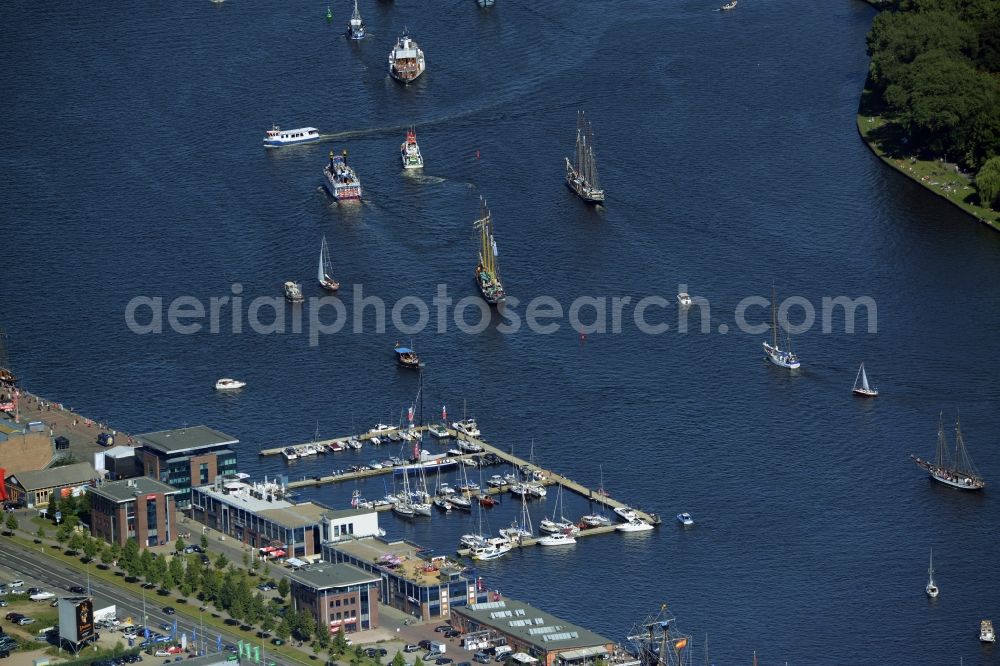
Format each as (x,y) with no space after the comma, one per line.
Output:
(337,595)
(141,508)
(187,457)
(34,488)
(258,515)
(411,579)
(533,632)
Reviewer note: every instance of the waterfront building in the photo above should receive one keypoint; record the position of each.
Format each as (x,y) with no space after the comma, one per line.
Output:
(411,580)
(258,515)
(534,633)
(187,457)
(119,462)
(143,509)
(34,488)
(337,596)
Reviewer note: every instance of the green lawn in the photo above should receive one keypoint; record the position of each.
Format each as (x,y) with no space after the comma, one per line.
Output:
(939,177)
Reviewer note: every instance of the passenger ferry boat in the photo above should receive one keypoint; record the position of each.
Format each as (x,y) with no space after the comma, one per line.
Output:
(410,151)
(406,60)
(340,180)
(356,27)
(277,137)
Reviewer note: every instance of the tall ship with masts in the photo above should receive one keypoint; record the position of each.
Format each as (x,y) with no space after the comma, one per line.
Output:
(406,60)
(356,27)
(957,472)
(657,641)
(487,275)
(581,173)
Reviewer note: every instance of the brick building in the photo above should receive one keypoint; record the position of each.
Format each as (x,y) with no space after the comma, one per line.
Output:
(141,508)
(337,595)
(187,457)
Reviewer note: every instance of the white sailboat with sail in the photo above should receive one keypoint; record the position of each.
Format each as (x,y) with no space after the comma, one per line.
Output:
(863,389)
(778,356)
(325,269)
(558,523)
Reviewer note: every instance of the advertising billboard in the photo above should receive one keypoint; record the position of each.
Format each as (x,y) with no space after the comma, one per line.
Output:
(76,619)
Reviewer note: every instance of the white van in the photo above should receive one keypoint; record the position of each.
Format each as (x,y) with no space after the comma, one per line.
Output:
(502,652)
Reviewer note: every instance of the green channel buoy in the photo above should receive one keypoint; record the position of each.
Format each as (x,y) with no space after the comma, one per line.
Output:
(329,14)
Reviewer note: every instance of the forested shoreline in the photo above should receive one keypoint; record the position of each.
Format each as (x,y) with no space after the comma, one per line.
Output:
(934,78)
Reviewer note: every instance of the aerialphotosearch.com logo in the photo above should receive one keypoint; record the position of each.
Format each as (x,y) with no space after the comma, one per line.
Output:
(542,315)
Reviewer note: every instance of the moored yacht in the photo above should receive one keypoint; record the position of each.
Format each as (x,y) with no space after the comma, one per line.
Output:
(634,526)
(406,60)
(227,384)
(490,552)
(557,539)
(986,634)
(467,427)
(290,453)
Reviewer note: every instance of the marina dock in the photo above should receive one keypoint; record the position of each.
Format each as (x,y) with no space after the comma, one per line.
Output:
(547,477)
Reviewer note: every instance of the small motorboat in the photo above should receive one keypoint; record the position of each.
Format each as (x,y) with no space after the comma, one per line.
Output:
(276,137)
(931,589)
(626,513)
(684,298)
(557,539)
(728,6)
(685,519)
(290,453)
(487,501)
(227,384)
(634,526)
(442,504)
(595,520)
(293,292)
(406,357)
(986,634)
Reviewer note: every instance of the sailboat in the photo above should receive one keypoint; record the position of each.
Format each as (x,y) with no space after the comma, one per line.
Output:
(356,28)
(931,589)
(958,473)
(781,358)
(864,389)
(487,277)
(581,173)
(324,270)
(517,532)
(558,524)
(598,519)
(404,501)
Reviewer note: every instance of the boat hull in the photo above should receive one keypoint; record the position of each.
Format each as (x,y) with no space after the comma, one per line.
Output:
(590,196)
(781,358)
(870,393)
(488,295)
(964,483)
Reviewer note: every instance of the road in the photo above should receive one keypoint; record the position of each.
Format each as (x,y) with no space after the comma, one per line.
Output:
(38,569)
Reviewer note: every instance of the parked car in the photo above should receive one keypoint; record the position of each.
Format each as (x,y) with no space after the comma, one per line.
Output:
(442,627)
(424,644)
(17,583)
(452,633)
(410,647)
(443,661)
(13,617)
(23,620)
(4,602)
(169,610)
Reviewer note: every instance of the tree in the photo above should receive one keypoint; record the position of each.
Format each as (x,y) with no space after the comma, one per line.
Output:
(129,559)
(176,569)
(179,545)
(257,564)
(75,540)
(68,506)
(399,659)
(283,631)
(154,568)
(988,183)
(41,532)
(267,624)
(53,507)
(340,642)
(204,542)
(145,563)
(418,662)
(63,534)
(116,552)
(221,561)
(305,624)
(11,522)
(322,639)
(90,548)
(283,588)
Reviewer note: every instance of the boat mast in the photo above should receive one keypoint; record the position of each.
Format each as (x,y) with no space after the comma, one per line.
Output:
(941,460)
(591,162)
(930,569)
(774,317)
(963,463)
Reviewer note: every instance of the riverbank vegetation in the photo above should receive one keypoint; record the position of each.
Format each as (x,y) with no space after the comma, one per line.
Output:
(934,86)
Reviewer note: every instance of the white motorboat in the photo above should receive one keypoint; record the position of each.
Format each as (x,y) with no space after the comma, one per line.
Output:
(495,481)
(728,6)
(490,552)
(410,151)
(354,443)
(625,513)
(537,490)
(438,431)
(421,508)
(685,518)
(472,541)
(375,441)
(557,539)
(558,523)
(986,634)
(290,453)
(467,427)
(293,292)
(277,137)
(634,526)
(227,384)
(471,462)
(931,589)
(444,489)
(519,489)
(460,502)
(381,427)
(684,298)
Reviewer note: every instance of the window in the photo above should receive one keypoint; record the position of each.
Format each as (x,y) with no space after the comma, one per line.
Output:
(203,473)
